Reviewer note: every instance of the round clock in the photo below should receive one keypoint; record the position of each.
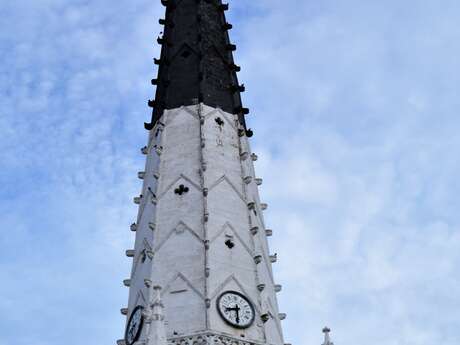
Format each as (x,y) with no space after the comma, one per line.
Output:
(236,309)
(134,328)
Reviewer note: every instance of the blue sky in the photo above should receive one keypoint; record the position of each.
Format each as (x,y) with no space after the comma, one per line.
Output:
(355,110)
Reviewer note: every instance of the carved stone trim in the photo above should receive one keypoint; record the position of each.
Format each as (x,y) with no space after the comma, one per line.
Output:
(181,227)
(211,339)
(173,183)
(227,225)
(186,281)
(224,178)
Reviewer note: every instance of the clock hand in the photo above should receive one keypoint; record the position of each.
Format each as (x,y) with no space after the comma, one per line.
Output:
(237,309)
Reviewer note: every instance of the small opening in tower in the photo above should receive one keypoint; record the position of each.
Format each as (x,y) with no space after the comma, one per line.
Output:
(185,54)
(181,190)
(219,121)
(230,244)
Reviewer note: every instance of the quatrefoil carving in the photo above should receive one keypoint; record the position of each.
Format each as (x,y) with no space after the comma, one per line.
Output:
(181,190)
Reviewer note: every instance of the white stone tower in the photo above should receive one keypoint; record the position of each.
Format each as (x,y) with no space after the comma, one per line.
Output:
(200,230)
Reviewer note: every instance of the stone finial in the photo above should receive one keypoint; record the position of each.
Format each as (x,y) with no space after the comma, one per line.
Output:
(258,259)
(156,333)
(327,339)
(158,150)
(265,317)
(156,303)
(148,283)
(273,258)
(254,230)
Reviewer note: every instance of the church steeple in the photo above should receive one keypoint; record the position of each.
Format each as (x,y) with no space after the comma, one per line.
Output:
(196,63)
(200,229)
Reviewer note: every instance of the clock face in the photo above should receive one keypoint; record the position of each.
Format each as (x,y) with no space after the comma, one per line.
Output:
(236,309)
(133,330)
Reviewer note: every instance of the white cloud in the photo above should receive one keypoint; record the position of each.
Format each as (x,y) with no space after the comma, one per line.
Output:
(354,106)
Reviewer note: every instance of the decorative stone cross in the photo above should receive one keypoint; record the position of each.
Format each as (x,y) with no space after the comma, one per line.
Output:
(327,339)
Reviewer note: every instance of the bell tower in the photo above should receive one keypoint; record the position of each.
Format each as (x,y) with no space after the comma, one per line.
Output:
(200,230)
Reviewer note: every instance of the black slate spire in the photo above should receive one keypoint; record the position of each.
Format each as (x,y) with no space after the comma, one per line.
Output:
(196,62)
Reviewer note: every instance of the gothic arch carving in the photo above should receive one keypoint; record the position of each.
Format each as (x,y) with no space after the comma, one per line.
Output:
(192,111)
(227,225)
(183,47)
(170,115)
(179,228)
(223,179)
(186,281)
(172,184)
(220,112)
(140,299)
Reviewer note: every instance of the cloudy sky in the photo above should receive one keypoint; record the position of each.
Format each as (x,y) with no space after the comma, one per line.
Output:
(355,106)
